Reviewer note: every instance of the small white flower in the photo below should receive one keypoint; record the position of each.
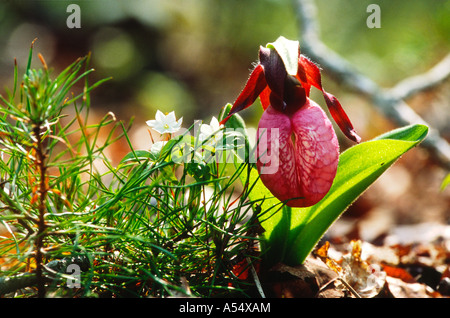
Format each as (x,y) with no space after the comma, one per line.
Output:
(157,147)
(211,131)
(165,123)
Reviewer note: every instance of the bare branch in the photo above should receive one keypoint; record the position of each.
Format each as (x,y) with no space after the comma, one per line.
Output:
(419,83)
(389,101)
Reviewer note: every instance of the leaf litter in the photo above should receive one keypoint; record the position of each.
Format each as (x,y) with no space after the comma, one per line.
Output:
(359,269)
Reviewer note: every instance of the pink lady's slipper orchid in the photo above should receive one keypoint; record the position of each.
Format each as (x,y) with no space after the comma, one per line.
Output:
(294,130)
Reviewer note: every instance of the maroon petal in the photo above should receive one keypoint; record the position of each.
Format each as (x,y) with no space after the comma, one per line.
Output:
(254,86)
(275,73)
(309,74)
(340,117)
(265,97)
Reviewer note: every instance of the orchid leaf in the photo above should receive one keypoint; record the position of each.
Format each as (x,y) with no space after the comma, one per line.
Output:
(291,235)
(358,168)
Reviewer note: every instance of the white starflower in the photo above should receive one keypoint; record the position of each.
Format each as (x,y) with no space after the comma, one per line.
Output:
(157,147)
(165,123)
(211,131)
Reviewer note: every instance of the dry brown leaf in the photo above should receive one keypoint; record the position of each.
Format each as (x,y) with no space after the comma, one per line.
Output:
(366,279)
(363,279)
(401,289)
(304,280)
(399,273)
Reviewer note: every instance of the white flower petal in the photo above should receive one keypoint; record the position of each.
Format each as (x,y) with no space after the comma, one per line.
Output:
(211,132)
(159,115)
(157,147)
(205,129)
(171,117)
(165,123)
(214,123)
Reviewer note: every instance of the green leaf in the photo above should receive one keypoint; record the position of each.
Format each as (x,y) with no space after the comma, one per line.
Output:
(235,121)
(414,133)
(358,168)
(288,51)
(137,156)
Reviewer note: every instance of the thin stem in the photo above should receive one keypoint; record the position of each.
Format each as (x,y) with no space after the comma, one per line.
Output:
(39,243)
(255,277)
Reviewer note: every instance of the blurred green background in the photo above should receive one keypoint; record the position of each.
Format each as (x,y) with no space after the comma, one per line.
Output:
(194,56)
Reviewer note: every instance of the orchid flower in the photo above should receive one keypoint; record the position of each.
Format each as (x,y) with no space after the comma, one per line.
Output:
(293,129)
